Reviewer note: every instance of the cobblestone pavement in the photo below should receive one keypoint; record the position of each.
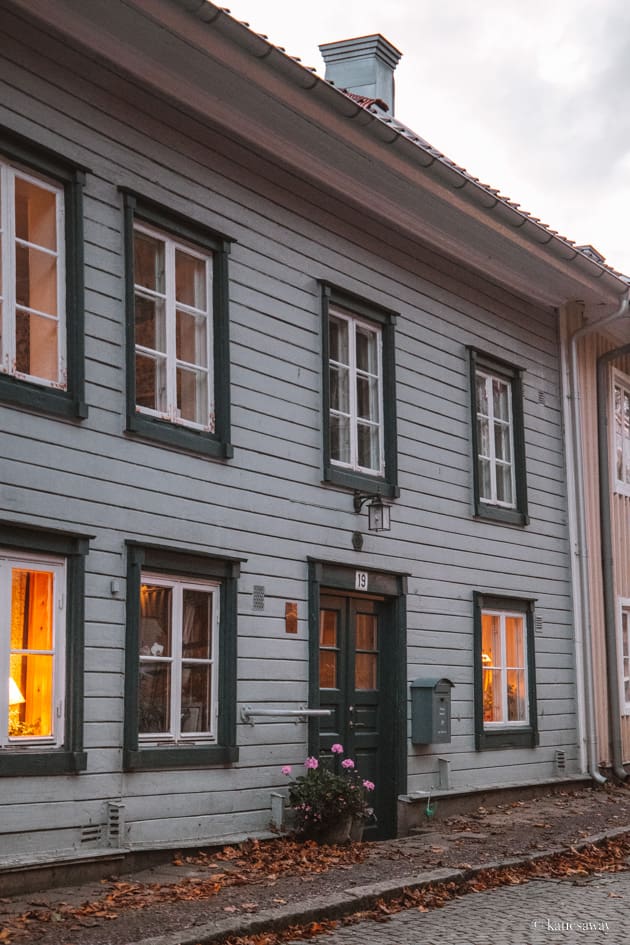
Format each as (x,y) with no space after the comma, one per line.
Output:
(594,910)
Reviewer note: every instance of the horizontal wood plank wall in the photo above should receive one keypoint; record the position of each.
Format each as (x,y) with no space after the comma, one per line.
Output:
(268,504)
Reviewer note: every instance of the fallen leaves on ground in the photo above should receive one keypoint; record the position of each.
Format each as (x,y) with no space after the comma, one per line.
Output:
(251,862)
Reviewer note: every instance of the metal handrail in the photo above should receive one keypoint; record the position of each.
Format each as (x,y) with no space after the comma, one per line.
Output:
(298,715)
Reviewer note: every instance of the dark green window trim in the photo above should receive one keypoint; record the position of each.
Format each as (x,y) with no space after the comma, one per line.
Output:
(386,485)
(215,444)
(514,376)
(226,570)
(521,737)
(70,402)
(74,548)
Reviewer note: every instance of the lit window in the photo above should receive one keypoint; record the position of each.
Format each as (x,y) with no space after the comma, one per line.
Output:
(32,284)
(498,440)
(621,413)
(32,658)
(178,666)
(625,656)
(356,394)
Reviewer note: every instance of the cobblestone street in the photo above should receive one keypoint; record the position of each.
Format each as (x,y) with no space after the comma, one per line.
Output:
(594,909)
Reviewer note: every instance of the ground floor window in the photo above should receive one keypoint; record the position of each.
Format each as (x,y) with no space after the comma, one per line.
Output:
(624,654)
(505,692)
(180,685)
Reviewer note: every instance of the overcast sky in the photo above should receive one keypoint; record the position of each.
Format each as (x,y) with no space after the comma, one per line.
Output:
(531,96)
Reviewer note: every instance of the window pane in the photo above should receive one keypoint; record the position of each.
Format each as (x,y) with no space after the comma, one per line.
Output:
(338,340)
(502,448)
(327,669)
(149,262)
(154,700)
(492,696)
(368,446)
(31,696)
(32,601)
(197,625)
(504,484)
(36,279)
(482,395)
(491,639)
(191,339)
(155,620)
(516,699)
(190,280)
(483,434)
(365,671)
(151,383)
(150,323)
(485,479)
(340,439)
(515,642)
(196,698)
(328,628)
(367,398)
(35,214)
(366,627)
(192,396)
(367,358)
(501,400)
(340,389)
(31,666)
(36,344)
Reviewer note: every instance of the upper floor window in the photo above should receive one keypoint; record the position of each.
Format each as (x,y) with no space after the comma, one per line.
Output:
(41,280)
(621,413)
(624,655)
(505,698)
(359,394)
(498,441)
(178,358)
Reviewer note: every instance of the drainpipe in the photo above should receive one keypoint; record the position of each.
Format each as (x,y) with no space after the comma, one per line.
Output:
(610,623)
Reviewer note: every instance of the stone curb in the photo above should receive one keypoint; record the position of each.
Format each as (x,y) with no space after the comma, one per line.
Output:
(354,899)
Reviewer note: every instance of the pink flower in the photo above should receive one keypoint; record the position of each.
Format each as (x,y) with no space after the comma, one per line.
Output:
(311,763)
(347,763)
(337,749)
(286,769)
(368,785)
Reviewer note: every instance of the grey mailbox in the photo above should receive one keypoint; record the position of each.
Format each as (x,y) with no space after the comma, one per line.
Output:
(431,711)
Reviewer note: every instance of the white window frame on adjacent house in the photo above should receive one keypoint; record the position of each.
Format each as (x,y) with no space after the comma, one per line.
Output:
(354,373)
(620,438)
(503,668)
(57,567)
(489,379)
(623,636)
(176,660)
(9,173)
(172,306)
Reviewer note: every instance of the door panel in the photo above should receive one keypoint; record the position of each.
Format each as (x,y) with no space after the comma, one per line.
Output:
(352,668)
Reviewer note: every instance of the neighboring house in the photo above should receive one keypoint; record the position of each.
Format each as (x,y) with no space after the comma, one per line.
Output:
(237,302)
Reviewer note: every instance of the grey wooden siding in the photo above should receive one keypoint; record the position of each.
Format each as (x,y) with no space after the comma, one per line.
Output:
(268,504)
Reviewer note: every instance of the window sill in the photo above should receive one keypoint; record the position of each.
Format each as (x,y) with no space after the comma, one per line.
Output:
(494,513)
(507,738)
(26,762)
(361,481)
(41,399)
(179,437)
(145,759)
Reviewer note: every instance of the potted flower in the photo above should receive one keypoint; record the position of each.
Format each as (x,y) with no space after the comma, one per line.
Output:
(330,806)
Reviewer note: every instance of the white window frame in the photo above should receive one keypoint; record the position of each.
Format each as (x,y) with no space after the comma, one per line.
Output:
(504,615)
(624,651)
(178,585)
(355,322)
(171,245)
(489,377)
(621,381)
(8,301)
(57,566)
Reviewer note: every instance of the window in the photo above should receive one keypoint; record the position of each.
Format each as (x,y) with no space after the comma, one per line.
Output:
(621,413)
(41,651)
(41,280)
(624,652)
(177,333)
(505,693)
(181,659)
(359,394)
(498,441)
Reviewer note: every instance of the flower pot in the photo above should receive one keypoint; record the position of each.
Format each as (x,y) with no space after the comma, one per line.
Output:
(337,832)
(357,826)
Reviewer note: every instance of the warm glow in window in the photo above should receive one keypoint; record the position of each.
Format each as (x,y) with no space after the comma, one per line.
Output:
(32,659)
(32,299)
(504,668)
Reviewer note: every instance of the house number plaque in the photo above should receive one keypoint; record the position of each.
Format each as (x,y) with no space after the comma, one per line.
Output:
(360,580)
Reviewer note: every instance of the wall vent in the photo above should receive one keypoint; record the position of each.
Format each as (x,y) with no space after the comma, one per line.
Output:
(92,833)
(560,760)
(258,597)
(542,400)
(538,624)
(115,823)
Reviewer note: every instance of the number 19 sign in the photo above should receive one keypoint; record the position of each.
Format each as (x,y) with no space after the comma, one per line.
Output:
(360,580)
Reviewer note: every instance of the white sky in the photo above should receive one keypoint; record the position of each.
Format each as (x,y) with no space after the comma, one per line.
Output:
(531,96)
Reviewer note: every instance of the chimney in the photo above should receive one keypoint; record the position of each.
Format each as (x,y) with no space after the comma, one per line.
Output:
(364,65)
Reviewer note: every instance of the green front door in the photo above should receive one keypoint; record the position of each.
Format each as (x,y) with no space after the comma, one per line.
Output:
(353,675)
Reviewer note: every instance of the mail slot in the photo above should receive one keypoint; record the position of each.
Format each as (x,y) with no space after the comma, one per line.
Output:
(431,711)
